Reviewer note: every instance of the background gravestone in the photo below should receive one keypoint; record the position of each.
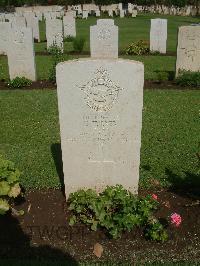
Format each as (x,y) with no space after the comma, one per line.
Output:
(4,37)
(188,50)
(158,35)
(104,39)
(33,23)
(21,55)
(19,21)
(100,113)
(69,23)
(54,32)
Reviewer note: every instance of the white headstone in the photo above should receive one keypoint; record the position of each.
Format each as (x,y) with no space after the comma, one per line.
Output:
(100,113)
(39,15)
(110,13)
(2,17)
(4,37)
(104,39)
(134,13)
(85,14)
(188,50)
(120,6)
(47,15)
(54,32)
(122,13)
(9,16)
(19,21)
(69,23)
(98,13)
(21,55)
(33,23)
(158,35)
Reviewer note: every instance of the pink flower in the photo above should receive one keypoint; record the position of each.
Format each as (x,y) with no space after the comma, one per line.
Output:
(154,196)
(176,219)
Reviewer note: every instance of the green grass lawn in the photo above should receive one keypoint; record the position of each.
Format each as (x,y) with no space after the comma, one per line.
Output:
(152,64)
(29,131)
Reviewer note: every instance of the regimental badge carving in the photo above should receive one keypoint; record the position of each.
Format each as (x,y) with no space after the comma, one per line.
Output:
(104,34)
(101,92)
(19,37)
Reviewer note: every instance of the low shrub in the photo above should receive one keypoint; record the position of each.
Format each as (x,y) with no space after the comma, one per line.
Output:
(78,44)
(9,185)
(19,82)
(189,79)
(57,57)
(117,210)
(162,76)
(138,48)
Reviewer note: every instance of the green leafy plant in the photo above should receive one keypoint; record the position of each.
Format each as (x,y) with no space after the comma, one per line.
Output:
(140,47)
(57,57)
(189,79)
(162,76)
(9,185)
(155,231)
(78,44)
(19,82)
(115,209)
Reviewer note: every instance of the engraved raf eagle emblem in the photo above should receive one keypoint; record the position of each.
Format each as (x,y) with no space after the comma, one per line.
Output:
(100,92)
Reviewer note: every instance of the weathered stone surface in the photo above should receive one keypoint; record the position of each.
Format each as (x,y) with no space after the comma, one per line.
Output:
(85,14)
(4,36)
(188,50)
(2,17)
(104,39)
(134,13)
(121,13)
(100,112)
(19,21)
(54,32)
(21,56)
(158,35)
(110,13)
(33,23)
(98,13)
(69,23)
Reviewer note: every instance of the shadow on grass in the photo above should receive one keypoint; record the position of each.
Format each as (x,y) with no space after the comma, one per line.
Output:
(16,249)
(57,156)
(187,185)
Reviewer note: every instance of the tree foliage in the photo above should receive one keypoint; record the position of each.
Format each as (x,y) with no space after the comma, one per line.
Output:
(179,3)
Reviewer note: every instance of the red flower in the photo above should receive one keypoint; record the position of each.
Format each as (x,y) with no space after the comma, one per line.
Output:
(154,196)
(176,219)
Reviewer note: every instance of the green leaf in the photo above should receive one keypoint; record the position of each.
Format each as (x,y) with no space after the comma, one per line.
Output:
(13,177)
(4,188)
(94,226)
(72,220)
(4,206)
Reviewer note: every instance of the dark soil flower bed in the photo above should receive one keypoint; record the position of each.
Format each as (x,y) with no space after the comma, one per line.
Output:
(43,232)
(148,84)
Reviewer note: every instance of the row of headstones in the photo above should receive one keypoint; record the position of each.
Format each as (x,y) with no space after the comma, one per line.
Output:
(93,9)
(169,10)
(103,44)
(54,29)
(118,9)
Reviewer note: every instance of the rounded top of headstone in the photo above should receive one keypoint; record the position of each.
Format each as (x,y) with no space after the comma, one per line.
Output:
(103,22)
